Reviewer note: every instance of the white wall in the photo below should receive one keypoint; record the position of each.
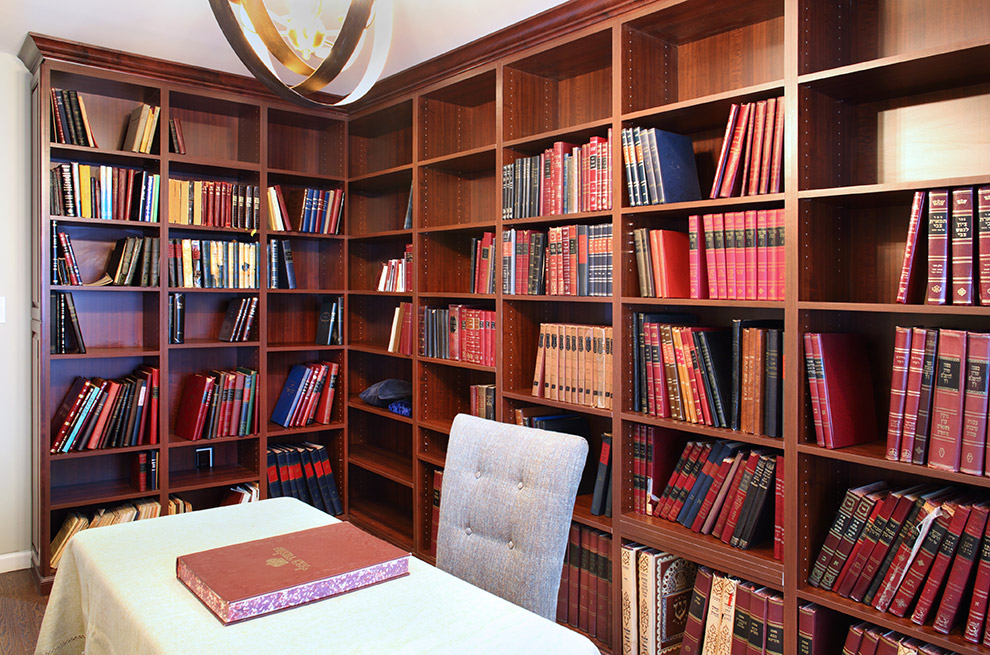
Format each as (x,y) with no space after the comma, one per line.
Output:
(15,332)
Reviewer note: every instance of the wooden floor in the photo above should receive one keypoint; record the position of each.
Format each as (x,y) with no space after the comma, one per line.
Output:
(21,609)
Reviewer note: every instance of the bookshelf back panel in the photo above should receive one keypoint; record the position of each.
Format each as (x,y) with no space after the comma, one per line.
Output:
(280,365)
(217,129)
(445,391)
(884,28)
(119,320)
(451,198)
(433,443)
(304,143)
(380,211)
(230,459)
(365,369)
(458,117)
(381,140)
(319,263)
(293,318)
(380,505)
(205,313)
(449,260)
(375,432)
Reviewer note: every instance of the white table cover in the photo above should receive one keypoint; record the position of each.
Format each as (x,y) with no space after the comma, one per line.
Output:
(116,594)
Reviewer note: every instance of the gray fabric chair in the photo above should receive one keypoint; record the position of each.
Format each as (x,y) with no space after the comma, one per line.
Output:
(506,506)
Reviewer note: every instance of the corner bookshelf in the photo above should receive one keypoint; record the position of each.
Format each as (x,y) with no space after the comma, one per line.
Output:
(233,132)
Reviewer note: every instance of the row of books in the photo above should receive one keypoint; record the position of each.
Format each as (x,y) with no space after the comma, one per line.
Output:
(101,413)
(307,395)
(177,139)
(238,322)
(483,263)
(584,600)
(720,488)
(213,264)
(105,192)
(134,261)
(144,470)
(303,471)
(564,179)
(214,203)
(281,268)
(66,335)
(655,590)
(722,378)
(921,552)
(457,332)
(142,128)
(867,639)
(574,364)
(400,338)
(70,123)
(76,522)
(660,167)
(958,266)
(570,260)
(840,388)
(249,492)
(938,399)
(316,211)
(482,401)
(397,274)
(751,159)
(218,404)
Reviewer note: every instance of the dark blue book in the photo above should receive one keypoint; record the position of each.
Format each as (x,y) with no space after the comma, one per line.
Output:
(291,392)
(274,484)
(715,455)
(288,272)
(674,166)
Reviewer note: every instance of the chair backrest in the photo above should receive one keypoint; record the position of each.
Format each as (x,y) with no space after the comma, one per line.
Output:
(506,506)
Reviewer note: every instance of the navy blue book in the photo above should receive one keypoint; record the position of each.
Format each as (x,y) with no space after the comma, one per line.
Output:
(714,456)
(274,485)
(287,274)
(291,392)
(705,482)
(674,166)
(716,354)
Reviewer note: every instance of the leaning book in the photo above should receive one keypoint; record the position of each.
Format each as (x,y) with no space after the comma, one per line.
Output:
(258,577)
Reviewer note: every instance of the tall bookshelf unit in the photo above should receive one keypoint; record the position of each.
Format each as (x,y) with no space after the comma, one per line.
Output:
(234,132)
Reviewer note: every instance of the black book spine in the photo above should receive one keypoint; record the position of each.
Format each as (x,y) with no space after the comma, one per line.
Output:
(639,366)
(736,372)
(920,454)
(70,306)
(180,318)
(772,385)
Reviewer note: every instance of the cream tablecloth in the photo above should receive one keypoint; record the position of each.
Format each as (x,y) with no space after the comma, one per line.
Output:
(116,594)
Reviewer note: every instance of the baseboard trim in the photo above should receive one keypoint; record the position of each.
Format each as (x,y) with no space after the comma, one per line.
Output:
(15,561)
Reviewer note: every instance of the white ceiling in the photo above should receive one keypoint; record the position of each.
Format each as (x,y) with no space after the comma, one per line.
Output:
(185,30)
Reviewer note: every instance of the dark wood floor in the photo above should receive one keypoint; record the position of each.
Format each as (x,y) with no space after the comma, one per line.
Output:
(21,609)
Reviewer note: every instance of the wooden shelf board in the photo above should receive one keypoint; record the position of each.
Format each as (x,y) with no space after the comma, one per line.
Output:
(437,426)
(456,363)
(212,343)
(303,235)
(108,288)
(705,302)
(876,194)
(705,430)
(565,219)
(381,462)
(299,346)
(545,298)
(458,227)
(276,430)
(905,626)
(756,564)
(454,295)
(212,229)
(356,403)
(69,151)
(215,477)
(384,294)
(175,441)
(388,178)
(574,133)
(382,521)
(703,112)
(374,349)
(602,648)
(384,235)
(97,452)
(107,491)
(526,396)
(104,222)
(583,515)
(107,353)
(896,308)
(251,291)
(712,205)
(306,292)
(873,454)
(232,165)
(432,458)
(474,160)
(284,172)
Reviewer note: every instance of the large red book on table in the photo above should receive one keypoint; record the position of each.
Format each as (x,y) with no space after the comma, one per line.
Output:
(909,273)
(947,407)
(898,390)
(963,566)
(983,242)
(849,391)
(938,246)
(974,428)
(962,246)
(258,577)
(912,395)
(192,408)
(669,252)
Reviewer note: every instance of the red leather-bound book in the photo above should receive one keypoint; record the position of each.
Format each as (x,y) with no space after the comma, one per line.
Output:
(758,601)
(694,629)
(777,163)
(938,246)
(908,283)
(898,390)
(888,644)
(912,395)
(735,485)
(602,577)
(756,152)
(974,428)
(698,258)
(746,159)
(854,638)
(848,399)
(940,567)
(962,246)
(740,619)
(725,492)
(574,574)
(671,265)
(731,267)
(947,406)
(914,578)
(251,579)
(731,178)
(922,428)
(981,590)
(324,408)
(811,375)
(904,555)
(721,262)
(778,222)
(867,539)
(774,625)
(708,225)
(887,536)
(730,130)
(192,408)
(963,566)
(767,152)
(745,487)
(824,409)
(871,641)
(762,255)
(739,231)
(983,242)
(854,528)
(749,226)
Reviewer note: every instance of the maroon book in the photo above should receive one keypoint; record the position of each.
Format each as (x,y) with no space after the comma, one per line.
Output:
(192,408)
(912,394)
(817,633)
(871,640)
(974,428)
(938,246)
(887,537)
(981,590)
(258,577)
(694,629)
(923,426)
(740,620)
(914,579)
(574,575)
(909,275)
(888,644)
(962,569)
(718,479)
(849,390)
(854,638)
(850,535)
(903,344)
(745,487)
(947,407)
(939,568)
(867,539)
(983,242)
(842,518)
(962,246)
(904,556)
(758,621)
(778,510)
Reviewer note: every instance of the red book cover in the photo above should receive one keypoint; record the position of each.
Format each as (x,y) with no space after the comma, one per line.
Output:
(776,165)
(774,630)
(983,239)
(981,589)
(702,406)
(888,534)
(853,639)
(758,621)
(898,390)
(671,263)
(767,155)
(406,336)
(731,178)
(710,256)
(923,420)
(778,510)
(574,574)
(727,138)
(974,428)
(737,502)
(739,232)
(192,408)
(811,374)
(747,153)
(694,629)
(731,268)
(659,390)
(721,265)
(740,619)
(867,539)
(258,577)
(905,554)
(940,567)
(906,287)
(871,640)
(698,259)
(756,152)
(752,276)
(963,566)
(914,578)
(848,392)
(735,490)
(962,246)
(947,406)
(324,408)
(938,246)
(916,363)
(778,259)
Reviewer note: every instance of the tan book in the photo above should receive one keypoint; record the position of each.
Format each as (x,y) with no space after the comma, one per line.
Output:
(197,217)
(746,415)
(646,562)
(73,523)
(135,128)
(148,136)
(758,368)
(609,367)
(630,598)
(393,338)
(187,266)
(684,381)
(541,356)
(85,121)
(571,339)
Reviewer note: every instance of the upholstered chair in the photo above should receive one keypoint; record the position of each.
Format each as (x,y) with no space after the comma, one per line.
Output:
(505,508)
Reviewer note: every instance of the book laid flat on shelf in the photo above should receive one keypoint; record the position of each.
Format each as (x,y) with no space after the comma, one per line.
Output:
(258,577)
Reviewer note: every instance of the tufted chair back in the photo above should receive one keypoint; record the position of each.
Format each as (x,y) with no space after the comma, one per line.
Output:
(506,506)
